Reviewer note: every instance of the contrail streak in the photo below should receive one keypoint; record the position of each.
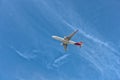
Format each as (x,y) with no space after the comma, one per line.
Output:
(92,38)
(59,61)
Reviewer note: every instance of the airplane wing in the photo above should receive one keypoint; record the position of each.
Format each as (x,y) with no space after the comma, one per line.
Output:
(65,46)
(71,35)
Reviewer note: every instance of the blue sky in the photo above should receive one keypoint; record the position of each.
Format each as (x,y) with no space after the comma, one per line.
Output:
(27,51)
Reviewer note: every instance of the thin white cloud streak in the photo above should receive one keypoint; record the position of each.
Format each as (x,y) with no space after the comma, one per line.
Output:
(105,44)
(24,55)
(59,61)
(61,58)
(92,38)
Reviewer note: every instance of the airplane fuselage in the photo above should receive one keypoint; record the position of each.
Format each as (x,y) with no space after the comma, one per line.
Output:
(64,41)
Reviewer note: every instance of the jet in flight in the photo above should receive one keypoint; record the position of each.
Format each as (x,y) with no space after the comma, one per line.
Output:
(67,40)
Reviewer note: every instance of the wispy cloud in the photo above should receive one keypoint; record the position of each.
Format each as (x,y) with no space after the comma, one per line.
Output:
(60,60)
(92,38)
(25,55)
(103,61)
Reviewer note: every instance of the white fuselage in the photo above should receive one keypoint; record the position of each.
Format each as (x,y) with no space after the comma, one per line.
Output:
(63,40)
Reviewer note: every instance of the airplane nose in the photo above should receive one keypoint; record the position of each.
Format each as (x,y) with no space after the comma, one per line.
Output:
(53,36)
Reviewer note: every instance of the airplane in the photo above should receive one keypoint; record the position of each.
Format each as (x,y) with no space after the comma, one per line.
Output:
(67,40)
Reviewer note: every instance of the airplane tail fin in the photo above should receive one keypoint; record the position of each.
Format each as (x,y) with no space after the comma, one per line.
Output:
(79,44)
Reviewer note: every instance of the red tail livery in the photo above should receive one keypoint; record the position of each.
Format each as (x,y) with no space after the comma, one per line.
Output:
(79,43)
